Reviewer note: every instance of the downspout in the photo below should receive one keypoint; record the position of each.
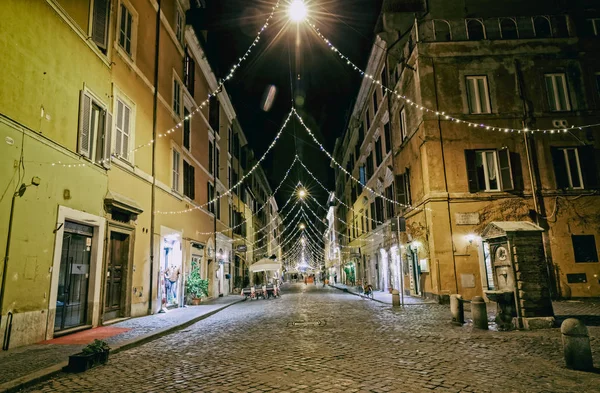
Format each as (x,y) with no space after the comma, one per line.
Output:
(445,176)
(154,125)
(538,201)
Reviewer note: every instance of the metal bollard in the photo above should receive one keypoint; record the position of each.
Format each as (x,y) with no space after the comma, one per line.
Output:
(576,345)
(395,298)
(479,313)
(457,309)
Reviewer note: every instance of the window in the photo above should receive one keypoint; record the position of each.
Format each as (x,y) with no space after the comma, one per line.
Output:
(478,95)
(403,128)
(357,150)
(388,137)
(584,247)
(375,107)
(217,162)
(189,72)
(475,30)
(236,145)
(362,176)
(95,124)
(211,163)
(218,202)
(126,30)
(176,97)
(100,19)
(379,209)
(558,93)
(378,153)
(403,195)
(598,82)
(389,206)
(384,79)
(179,25)
(490,170)
(211,195)
(373,216)
(361,133)
(593,26)
(189,188)
(575,167)
(370,170)
(213,113)
(541,27)
(229,141)
(176,170)
(122,129)
(441,30)
(368,118)
(187,129)
(508,29)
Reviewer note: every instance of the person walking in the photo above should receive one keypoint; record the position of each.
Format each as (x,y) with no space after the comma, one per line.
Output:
(335,278)
(305,280)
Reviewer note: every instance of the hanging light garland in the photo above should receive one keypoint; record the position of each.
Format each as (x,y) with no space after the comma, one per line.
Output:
(442,115)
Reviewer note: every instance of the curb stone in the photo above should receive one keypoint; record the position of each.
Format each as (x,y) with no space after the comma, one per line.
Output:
(44,374)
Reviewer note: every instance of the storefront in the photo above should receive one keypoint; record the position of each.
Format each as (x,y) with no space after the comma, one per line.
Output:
(171,269)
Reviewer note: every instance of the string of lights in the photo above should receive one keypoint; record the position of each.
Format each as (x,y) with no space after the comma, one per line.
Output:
(443,115)
(335,197)
(243,178)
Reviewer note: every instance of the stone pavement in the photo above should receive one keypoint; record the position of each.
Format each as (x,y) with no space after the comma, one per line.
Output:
(384,297)
(22,364)
(316,339)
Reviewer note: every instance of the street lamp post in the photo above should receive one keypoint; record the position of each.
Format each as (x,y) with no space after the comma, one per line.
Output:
(35,181)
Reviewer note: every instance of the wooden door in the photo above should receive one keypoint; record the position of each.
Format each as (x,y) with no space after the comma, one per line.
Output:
(116,275)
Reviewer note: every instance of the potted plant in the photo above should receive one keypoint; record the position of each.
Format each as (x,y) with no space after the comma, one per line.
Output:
(196,286)
(92,355)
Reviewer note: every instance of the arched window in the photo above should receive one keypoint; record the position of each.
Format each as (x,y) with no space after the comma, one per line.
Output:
(475,30)
(508,28)
(541,27)
(441,30)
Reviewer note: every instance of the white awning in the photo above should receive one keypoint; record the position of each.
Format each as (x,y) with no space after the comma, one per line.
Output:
(265,264)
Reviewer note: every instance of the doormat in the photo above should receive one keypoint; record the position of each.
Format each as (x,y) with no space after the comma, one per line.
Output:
(87,336)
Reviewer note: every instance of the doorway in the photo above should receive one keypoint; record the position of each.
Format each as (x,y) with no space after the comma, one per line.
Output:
(116,275)
(73,277)
(414,272)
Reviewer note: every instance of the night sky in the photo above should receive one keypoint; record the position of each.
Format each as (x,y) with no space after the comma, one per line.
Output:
(291,56)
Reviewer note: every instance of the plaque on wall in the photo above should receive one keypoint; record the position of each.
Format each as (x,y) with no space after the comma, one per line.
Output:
(467,218)
(467,280)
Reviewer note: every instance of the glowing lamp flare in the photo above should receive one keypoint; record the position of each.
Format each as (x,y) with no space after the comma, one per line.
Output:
(297,11)
(302,193)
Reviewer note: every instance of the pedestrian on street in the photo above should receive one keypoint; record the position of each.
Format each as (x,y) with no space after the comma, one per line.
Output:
(305,280)
(335,279)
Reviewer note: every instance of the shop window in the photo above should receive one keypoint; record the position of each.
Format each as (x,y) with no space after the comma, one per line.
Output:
(478,94)
(475,30)
(489,170)
(584,247)
(508,29)
(558,92)
(542,27)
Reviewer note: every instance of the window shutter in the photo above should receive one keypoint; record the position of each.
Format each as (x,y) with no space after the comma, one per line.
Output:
(471,170)
(119,129)
(100,23)
(517,172)
(401,190)
(108,122)
(506,175)
(560,168)
(126,130)
(85,108)
(589,166)
(192,182)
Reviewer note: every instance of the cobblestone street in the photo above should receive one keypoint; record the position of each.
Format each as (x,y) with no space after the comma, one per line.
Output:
(318,339)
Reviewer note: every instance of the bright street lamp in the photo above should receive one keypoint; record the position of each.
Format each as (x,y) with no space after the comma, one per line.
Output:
(297,11)
(302,193)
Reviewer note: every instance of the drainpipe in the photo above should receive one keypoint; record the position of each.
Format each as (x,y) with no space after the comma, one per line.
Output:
(532,165)
(154,125)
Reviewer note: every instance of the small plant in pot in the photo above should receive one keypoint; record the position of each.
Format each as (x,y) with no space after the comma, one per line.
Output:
(196,286)
(92,355)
